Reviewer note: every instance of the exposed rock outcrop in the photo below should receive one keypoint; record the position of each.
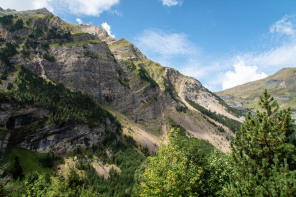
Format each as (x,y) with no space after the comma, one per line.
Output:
(28,128)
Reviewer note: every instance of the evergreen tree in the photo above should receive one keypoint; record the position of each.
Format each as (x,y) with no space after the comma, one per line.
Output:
(16,169)
(263,156)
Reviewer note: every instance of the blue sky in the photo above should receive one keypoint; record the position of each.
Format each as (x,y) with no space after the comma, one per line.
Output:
(222,43)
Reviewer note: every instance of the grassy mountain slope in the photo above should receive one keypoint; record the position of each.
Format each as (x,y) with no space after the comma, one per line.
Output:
(281,85)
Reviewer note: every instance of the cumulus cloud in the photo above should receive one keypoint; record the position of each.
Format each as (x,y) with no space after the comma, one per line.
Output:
(241,74)
(170,3)
(79,21)
(108,29)
(284,26)
(163,47)
(27,4)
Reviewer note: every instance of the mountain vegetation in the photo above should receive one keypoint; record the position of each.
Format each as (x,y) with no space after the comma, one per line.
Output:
(81,114)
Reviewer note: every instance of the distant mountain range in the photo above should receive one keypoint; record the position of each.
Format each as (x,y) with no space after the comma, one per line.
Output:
(281,85)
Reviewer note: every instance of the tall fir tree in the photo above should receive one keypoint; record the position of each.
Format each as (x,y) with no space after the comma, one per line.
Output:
(263,158)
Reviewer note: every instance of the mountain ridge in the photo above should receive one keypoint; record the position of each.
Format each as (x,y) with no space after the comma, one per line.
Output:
(281,85)
(116,74)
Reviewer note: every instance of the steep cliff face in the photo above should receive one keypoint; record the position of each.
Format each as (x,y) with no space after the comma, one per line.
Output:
(115,72)
(26,126)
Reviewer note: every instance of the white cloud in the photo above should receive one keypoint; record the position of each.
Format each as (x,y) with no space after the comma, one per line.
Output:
(241,74)
(90,7)
(163,47)
(284,26)
(79,21)
(79,7)
(282,56)
(108,29)
(171,3)
(21,5)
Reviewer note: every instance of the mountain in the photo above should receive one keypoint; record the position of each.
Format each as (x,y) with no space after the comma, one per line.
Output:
(125,89)
(281,85)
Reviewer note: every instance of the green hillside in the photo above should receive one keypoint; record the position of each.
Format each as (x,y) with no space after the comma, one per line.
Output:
(281,85)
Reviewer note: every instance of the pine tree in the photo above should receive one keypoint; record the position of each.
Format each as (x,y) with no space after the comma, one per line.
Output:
(262,155)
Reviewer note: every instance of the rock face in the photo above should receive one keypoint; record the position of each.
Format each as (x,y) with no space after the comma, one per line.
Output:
(28,129)
(96,31)
(116,74)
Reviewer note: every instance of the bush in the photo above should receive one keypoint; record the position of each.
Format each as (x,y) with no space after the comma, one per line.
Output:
(6,20)
(17,26)
(49,57)
(7,52)
(4,75)
(45,46)
(145,76)
(9,86)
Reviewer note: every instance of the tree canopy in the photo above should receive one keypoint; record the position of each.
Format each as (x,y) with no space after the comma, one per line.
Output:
(263,158)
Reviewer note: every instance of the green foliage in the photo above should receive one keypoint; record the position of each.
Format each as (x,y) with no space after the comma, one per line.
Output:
(2,190)
(53,34)
(123,82)
(64,105)
(168,87)
(28,161)
(4,75)
(49,58)
(30,44)
(145,76)
(6,20)
(19,24)
(90,55)
(181,108)
(45,46)
(231,110)
(233,125)
(48,160)
(7,52)
(130,140)
(159,175)
(37,184)
(127,159)
(218,170)
(129,65)
(9,86)
(26,53)
(170,173)
(3,132)
(15,169)
(36,32)
(177,127)
(263,157)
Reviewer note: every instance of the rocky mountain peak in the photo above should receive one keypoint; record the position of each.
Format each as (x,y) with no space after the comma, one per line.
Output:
(123,50)
(96,31)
